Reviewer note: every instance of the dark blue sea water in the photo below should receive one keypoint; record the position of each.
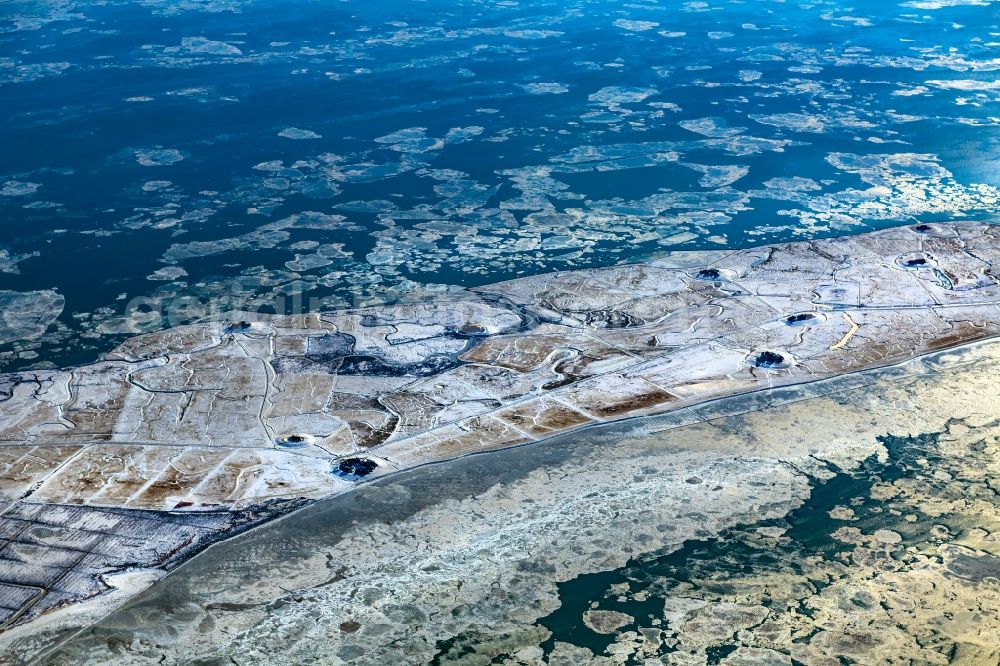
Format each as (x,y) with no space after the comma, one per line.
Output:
(165,159)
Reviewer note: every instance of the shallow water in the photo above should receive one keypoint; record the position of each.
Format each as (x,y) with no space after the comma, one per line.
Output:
(734,553)
(892,560)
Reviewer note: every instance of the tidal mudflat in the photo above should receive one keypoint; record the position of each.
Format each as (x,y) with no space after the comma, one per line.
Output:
(118,471)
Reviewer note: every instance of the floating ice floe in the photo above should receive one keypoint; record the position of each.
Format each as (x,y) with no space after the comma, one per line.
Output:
(28,314)
(461,134)
(151,157)
(298,134)
(718,176)
(167,273)
(202,45)
(537,88)
(711,127)
(636,26)
(965,84)
(799,122)
(410,140)
(532,34)
(9,261)
(156,185)
(17,188)
(941,4)
(614,95)
(34,72)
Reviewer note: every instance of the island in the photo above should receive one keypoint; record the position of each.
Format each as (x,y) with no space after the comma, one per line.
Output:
(116,472)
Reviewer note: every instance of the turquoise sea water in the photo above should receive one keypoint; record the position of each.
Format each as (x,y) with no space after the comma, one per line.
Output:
(163,160)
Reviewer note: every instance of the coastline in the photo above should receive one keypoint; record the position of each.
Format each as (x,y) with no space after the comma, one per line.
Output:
(933,378)
(535,359)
